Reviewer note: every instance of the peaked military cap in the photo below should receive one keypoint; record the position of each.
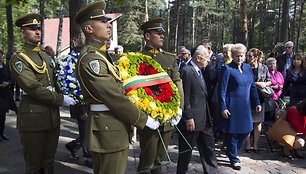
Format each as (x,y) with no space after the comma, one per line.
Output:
(154,24)
(29,19)
(91,11)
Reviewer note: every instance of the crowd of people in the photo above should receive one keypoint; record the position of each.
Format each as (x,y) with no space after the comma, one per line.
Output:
(220,95)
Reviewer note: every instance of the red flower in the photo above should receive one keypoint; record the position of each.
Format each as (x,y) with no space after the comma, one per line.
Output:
(162,92)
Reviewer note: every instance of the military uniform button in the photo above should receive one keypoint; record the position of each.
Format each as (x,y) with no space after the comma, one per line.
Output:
(106,128)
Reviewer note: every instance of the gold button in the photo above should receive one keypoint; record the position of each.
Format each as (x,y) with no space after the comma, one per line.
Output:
(106,128)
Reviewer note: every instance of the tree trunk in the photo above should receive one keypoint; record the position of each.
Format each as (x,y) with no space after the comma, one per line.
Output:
(193,25)
(77,38)
(177,24)
(168,25)
(60,31)
(285,21)
(146,15)
(293,23)
(42,12)
(299,25)
(244,22)
(10,28)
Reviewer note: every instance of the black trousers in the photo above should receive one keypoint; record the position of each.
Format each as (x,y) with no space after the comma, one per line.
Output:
(205,144)
(80,141)
(2,121)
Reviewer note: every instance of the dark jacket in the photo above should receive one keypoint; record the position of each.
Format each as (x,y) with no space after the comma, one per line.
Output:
(6,97)
(195,98)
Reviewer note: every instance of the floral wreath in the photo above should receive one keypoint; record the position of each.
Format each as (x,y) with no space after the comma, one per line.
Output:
(149,87)
(66,76)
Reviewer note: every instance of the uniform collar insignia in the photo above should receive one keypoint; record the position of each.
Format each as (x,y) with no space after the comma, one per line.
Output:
(95,66)
(18,66)
(36,49)
(103,48)
(154,51)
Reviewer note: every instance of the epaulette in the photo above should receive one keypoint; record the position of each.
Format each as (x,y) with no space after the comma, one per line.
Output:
(172,54)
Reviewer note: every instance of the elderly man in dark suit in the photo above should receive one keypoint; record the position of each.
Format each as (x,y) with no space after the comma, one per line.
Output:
(284,60)
(196,124)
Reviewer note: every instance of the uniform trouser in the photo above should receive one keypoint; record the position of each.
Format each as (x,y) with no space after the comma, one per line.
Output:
(152,150)
(112,163)
(2,121)
(39,149)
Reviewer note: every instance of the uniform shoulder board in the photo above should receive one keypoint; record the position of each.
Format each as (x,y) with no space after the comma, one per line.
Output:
(172,54)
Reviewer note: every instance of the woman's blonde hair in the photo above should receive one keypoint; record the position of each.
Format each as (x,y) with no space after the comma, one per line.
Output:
(238,47)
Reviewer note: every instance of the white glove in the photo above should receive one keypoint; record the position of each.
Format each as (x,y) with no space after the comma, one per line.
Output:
(68,101)
(174,121)
(152,123)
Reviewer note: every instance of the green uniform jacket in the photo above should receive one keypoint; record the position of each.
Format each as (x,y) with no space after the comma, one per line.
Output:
(106,131)
(38,109)
(169,64)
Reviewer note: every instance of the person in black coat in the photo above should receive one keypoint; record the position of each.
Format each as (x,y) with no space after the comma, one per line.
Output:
(79,112)
(6,97)
(196,123)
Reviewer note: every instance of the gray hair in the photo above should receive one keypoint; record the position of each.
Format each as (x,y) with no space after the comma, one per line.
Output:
(271,59)
(201,50)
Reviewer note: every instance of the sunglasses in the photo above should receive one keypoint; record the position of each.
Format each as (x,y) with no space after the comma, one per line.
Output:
(288,47)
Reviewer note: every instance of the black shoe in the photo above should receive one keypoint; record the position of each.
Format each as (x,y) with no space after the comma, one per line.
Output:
(1,139)
(236,166)
(4,137)
(256,150)
(299,154)
(88,163)
(73,153)
(248,150)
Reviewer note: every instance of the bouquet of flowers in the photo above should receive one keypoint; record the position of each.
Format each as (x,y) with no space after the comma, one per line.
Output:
(149,87)
(66,76)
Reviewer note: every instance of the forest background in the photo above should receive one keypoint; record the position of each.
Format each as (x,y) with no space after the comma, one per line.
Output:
(256,23)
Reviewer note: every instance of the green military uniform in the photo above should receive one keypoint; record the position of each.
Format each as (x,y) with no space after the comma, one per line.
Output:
(152,150)
(111,112)
(38,118)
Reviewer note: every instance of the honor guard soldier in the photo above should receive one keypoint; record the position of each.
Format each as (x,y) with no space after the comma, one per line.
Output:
(111,112)
(38,118)
(152,150)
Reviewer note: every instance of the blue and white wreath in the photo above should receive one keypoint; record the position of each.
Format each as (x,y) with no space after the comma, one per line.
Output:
(66,76)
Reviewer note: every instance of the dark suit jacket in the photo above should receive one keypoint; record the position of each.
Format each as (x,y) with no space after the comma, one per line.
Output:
(281,62)
(195,98)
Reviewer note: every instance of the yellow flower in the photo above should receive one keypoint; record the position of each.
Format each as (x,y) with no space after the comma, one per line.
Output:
(124,74)
(154,114)
(153,105)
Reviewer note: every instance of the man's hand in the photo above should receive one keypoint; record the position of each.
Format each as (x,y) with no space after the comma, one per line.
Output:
(190,126)
(84,116)
(68,101)
(174,121)
(152,123)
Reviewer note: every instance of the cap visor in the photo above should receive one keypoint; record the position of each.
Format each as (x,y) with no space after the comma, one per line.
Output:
(104,18)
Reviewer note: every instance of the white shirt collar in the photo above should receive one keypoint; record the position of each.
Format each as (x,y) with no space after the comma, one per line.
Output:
(195,66)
